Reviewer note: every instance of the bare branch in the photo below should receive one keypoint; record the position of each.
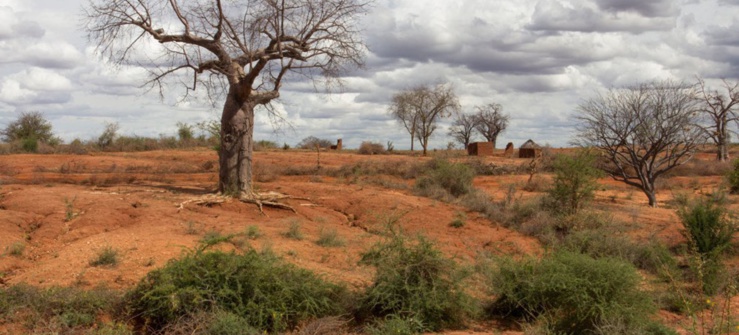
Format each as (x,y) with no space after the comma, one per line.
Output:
(643,131)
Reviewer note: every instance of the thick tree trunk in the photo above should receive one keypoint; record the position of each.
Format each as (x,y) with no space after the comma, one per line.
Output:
(652,198)
(235,155)
(722,153)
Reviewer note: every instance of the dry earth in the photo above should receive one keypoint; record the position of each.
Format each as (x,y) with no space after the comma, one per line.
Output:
(65,208)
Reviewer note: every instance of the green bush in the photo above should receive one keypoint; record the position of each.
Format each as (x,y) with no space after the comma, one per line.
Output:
(444,179)
(415,282)
(106,256)
(733,178)
(575,181)
(708,227)
(572,293)
(396,325)
(329,238)
(61,308)
(29,144)
(267,293)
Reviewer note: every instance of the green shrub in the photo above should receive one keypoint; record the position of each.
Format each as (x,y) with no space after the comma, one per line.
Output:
(293,231)
(575,181)
(396,325)
(732,177)
(572,293)
(329,238)
(62,308)
(708,227)
(414,281)
(445,179)
(16,249)
(106,256)
(29,144)
(267,293)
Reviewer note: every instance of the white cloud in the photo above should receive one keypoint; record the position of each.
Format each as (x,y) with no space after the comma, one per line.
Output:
(35,86)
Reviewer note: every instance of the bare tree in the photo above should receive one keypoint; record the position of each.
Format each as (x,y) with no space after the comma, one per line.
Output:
(420,108)
(719,110)
(462,129)
(403,112)
(243,50)
(643,131)
(490,121)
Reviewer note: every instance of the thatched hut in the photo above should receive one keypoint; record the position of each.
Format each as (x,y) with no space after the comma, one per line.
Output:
(529,150)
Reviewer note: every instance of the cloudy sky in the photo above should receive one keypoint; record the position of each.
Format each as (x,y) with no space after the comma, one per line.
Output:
(538,58)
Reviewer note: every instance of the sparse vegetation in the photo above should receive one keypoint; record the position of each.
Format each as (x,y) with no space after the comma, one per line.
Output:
(370,148)
(105,256)
(329,237)
(293,230)
(445,180)
(16,249)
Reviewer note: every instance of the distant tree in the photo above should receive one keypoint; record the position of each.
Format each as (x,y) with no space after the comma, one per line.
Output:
(643,131)
(463,129)
(719,110)
(185,132)
(490,121)
(30,126)
(239,51)
(419,110)
(311,142)
(109,135)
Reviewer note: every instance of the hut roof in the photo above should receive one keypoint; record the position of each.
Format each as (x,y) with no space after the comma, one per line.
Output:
(530,144)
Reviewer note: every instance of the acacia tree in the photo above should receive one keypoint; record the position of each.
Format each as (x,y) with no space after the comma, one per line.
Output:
(643,131)
(490,121)
(462,129)
(419,110)
(719,110)
(29,125)
(243,50)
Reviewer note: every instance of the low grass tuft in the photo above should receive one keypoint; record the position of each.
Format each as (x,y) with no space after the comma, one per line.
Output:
(106,256)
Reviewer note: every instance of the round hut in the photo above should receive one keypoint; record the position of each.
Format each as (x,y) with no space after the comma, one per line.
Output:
(529,150)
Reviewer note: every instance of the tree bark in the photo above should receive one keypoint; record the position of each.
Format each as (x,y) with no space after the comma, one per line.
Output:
(235,155)
(722,154)
(652,198)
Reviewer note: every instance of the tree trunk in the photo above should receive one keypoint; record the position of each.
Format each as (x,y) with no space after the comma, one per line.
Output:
(235,155)
(652,198)
(413,139)
(722,153)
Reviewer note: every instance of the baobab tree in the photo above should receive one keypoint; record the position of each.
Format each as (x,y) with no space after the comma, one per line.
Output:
(419,110)
(643,131)
(490,121)
(719,109)
(242,51)
(463,129)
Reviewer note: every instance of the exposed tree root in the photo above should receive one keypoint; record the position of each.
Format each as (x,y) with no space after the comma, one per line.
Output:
(269,199)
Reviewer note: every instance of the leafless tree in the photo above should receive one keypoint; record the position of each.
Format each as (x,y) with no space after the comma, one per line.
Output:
(463,129)
(490,121)
(643,131)
(403,112)
(242,51)
(719,111)
(420,108)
